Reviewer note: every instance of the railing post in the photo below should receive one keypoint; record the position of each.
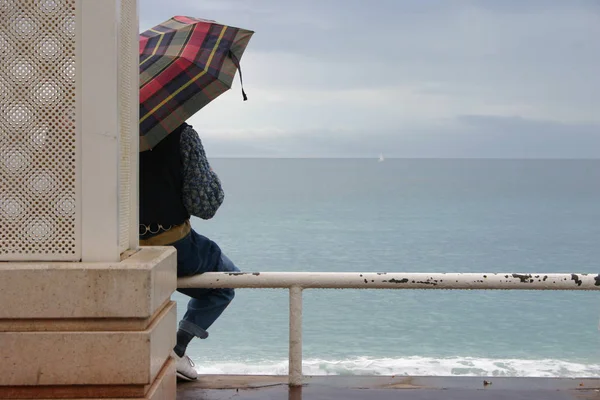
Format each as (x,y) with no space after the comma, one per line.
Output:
(295,367)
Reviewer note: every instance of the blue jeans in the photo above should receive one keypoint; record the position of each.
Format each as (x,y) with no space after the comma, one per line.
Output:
(197,254)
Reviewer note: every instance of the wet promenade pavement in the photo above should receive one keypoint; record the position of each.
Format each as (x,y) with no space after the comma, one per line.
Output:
(220,387)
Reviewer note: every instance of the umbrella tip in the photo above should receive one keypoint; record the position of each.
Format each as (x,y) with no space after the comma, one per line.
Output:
(244,95)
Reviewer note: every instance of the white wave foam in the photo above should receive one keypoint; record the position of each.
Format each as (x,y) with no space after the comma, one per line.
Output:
(414,366)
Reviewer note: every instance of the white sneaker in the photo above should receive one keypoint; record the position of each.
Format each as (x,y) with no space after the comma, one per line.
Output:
(185,367)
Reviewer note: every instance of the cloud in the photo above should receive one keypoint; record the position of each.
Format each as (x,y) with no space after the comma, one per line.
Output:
(394,67)
(467,136)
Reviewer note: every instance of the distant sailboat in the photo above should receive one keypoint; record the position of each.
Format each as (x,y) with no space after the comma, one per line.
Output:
(381,159)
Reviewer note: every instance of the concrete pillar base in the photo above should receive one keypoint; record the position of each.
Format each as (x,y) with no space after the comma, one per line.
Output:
(163,387)
(89,330)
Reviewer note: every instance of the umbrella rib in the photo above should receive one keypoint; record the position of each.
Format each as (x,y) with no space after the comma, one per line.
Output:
(194,79)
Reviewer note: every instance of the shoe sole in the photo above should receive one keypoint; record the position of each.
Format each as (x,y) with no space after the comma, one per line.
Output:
(183,377)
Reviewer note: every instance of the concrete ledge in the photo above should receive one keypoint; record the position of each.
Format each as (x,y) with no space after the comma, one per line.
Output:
(164,387)
(133,288)
(88,358)
(75,324)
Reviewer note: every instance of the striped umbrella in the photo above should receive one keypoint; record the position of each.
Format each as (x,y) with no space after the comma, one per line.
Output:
(185,63)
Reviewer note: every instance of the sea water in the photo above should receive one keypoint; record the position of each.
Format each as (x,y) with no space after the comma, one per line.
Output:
(408,215)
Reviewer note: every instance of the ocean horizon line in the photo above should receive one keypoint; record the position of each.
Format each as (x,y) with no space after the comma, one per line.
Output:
(404,158)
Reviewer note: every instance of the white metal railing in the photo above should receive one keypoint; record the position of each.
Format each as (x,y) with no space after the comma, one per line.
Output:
(298,281)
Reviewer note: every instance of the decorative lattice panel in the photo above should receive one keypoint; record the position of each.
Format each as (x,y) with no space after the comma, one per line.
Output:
(128,89)
(38,140)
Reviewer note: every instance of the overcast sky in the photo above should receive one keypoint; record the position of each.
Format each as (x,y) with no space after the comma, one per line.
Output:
(409,78)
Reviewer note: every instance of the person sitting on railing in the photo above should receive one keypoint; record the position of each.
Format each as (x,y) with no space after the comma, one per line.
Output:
(176,181)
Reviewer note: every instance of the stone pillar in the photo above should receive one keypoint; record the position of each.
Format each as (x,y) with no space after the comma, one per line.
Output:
(84,312)
(89,330)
